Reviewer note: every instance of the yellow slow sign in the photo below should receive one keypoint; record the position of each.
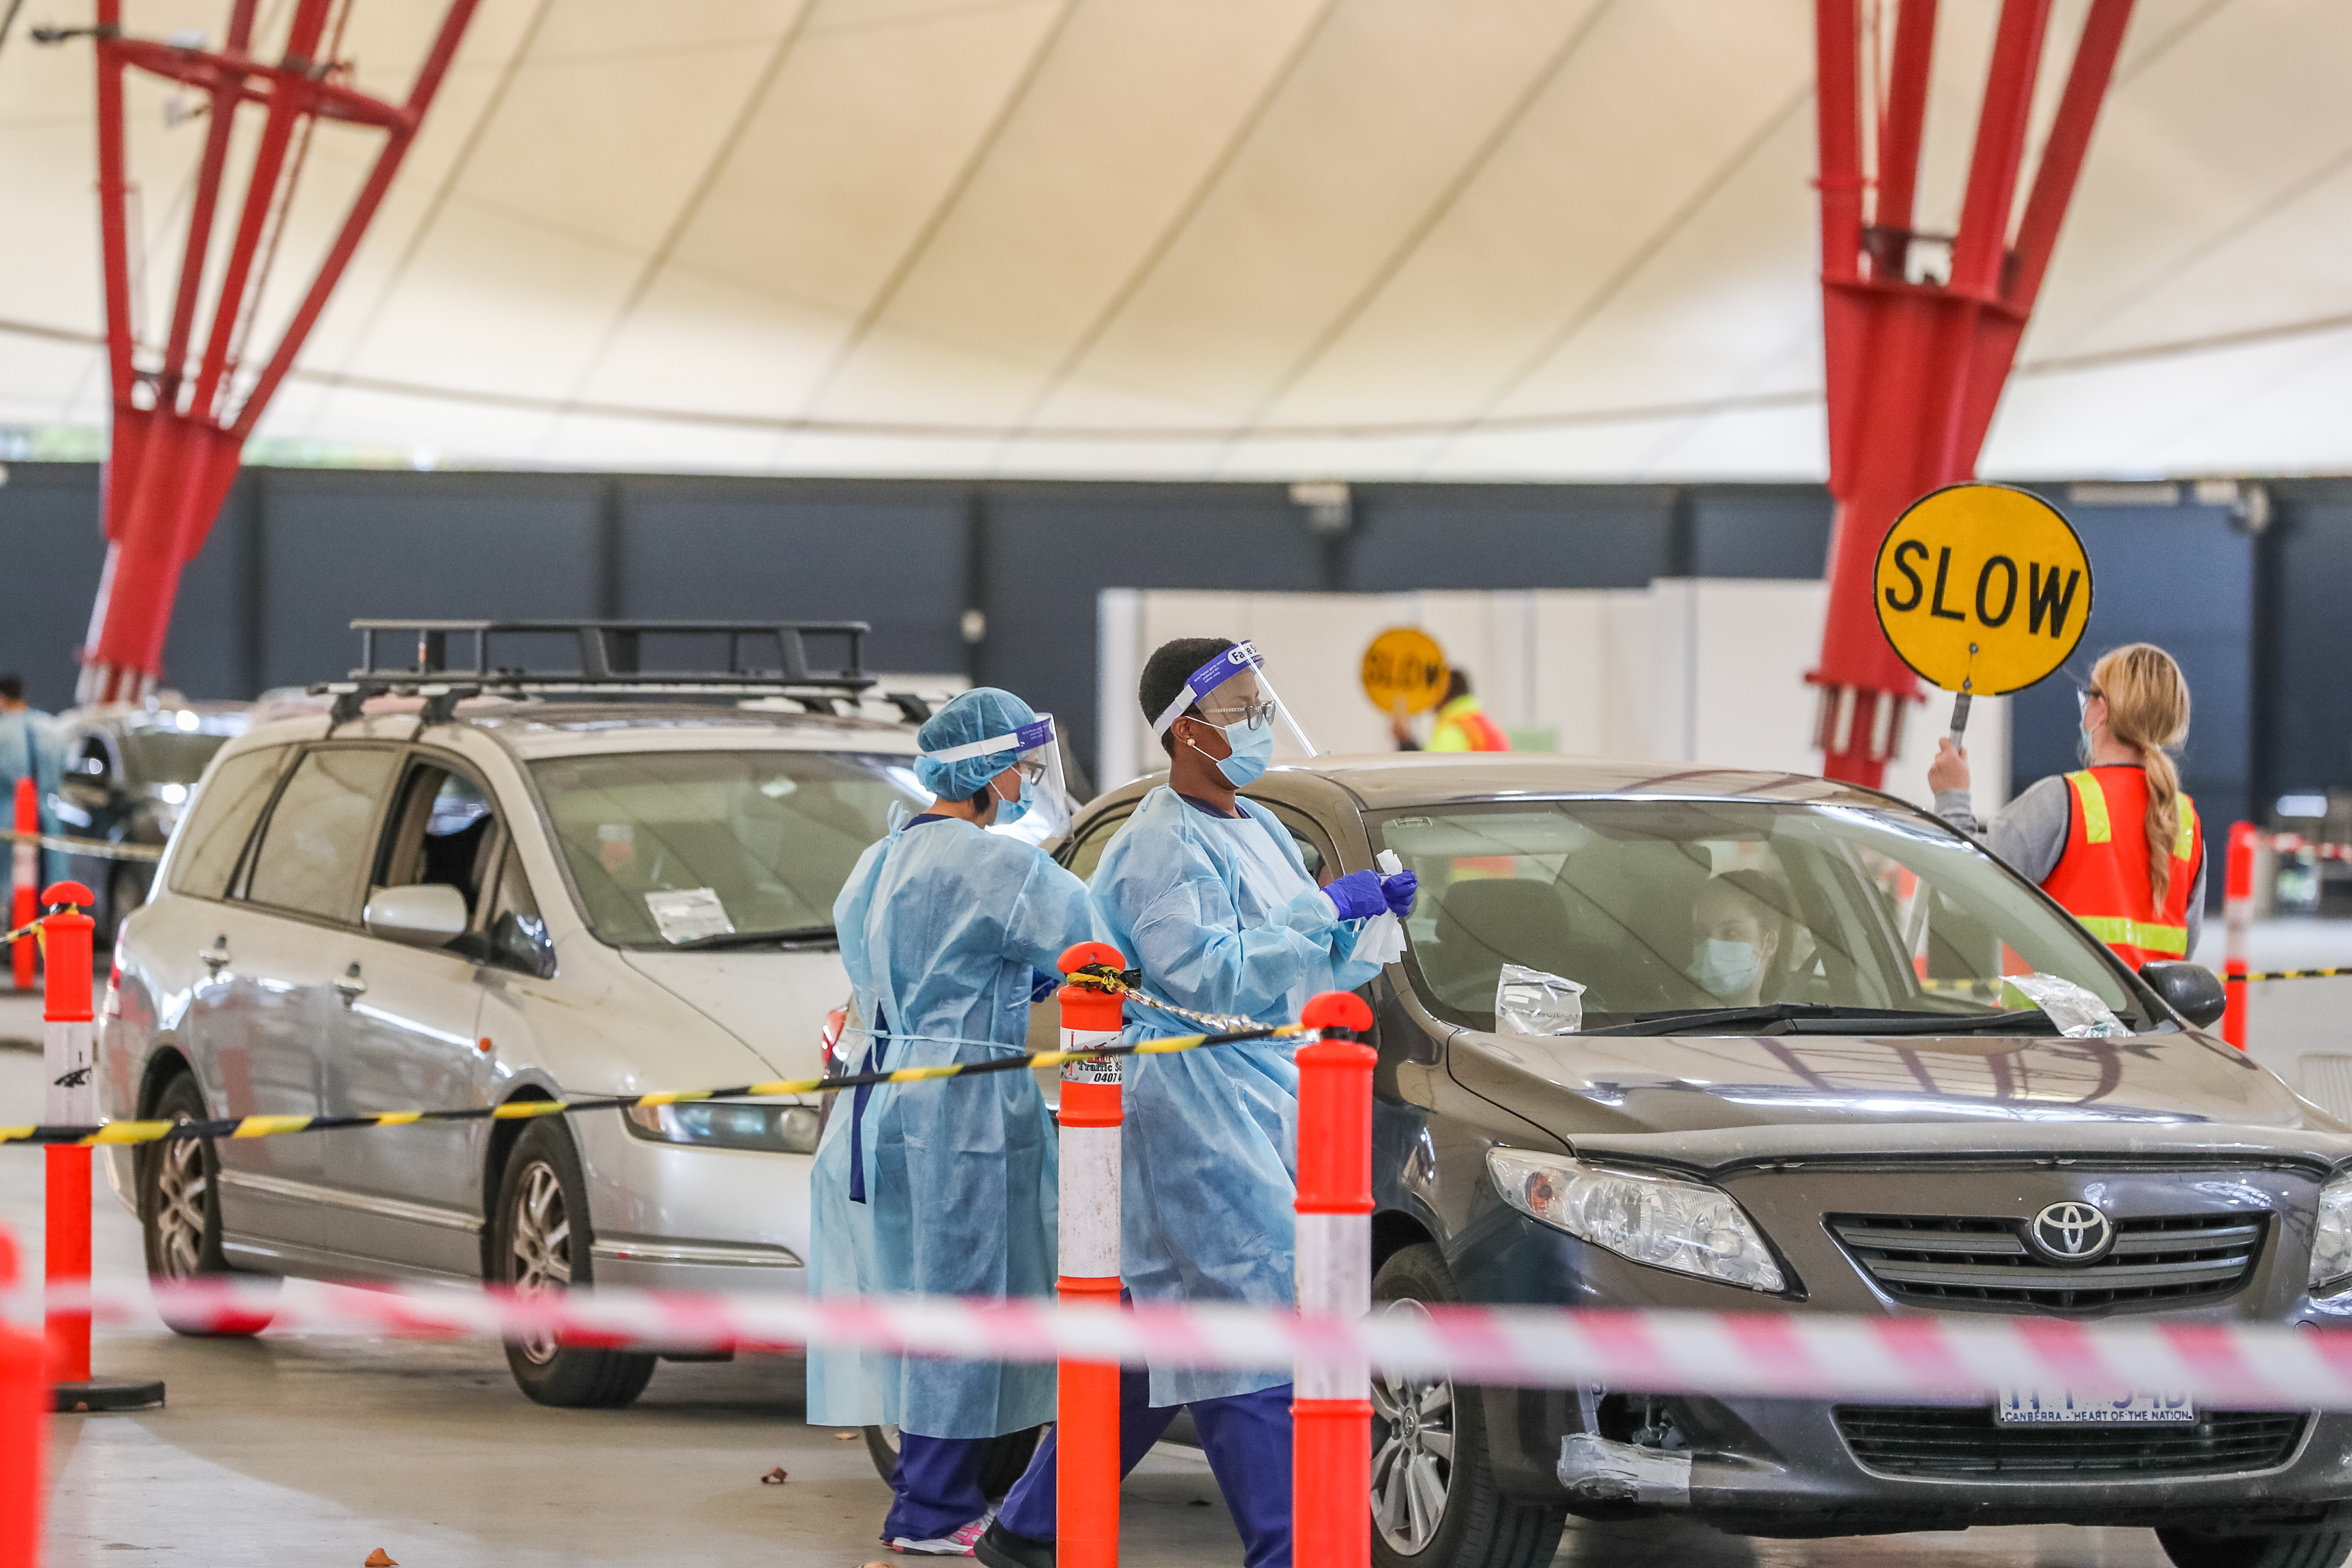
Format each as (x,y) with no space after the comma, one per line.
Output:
(1983,589)
(1404,671)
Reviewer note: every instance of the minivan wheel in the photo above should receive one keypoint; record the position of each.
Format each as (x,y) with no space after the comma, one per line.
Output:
(541,1243)
(178,1187)
(1433,1498)
(1007,1457)
(2313,1549)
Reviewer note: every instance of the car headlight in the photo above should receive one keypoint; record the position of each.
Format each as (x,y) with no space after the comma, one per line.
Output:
(1687,1226)
(2331,1235)
(724,1124)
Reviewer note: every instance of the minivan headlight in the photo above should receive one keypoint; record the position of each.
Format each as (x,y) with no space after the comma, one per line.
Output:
(721,1124)
(2331,1235)
(1687,1226)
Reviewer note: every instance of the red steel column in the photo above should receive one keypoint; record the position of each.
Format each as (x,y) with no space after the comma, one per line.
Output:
(1914,370)
(69,1061)
(1086,1449)
(2237,915)
(23,882)
(1331,1413)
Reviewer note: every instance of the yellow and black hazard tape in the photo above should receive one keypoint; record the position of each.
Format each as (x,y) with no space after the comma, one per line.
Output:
(114,1133)
(2342,973)
(97,849)
(1125,983)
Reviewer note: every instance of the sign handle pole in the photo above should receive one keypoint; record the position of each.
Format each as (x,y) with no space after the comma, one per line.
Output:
(1959,718)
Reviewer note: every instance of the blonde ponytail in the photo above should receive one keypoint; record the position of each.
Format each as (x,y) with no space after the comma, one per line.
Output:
(2148,710)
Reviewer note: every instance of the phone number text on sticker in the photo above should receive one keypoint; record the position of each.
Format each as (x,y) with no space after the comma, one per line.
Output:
(2032,1407)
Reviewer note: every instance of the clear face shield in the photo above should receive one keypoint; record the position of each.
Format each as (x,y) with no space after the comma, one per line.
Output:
(1046,808)
(1234,687)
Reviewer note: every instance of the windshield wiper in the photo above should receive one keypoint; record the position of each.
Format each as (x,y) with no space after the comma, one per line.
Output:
(1815,1018)
(751,938)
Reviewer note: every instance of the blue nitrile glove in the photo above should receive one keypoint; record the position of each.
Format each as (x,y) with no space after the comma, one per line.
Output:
(1357,896)
(1042,985)
(1399,890)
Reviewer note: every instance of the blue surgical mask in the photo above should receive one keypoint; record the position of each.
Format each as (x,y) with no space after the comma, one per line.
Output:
(1726,968)
(1008,811)
(1252,748)
(2082,746)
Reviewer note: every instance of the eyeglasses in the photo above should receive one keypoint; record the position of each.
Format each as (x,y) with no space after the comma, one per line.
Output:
(1031,772)
(1254,715)
(2084,696)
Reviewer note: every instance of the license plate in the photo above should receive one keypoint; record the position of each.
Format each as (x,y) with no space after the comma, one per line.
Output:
(2023,1406)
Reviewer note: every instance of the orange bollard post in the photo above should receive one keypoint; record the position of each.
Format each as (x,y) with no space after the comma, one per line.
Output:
(2237,915)
(1086,1502)
(23,882)
(1331,1410)
(69,1058)
(24,1432)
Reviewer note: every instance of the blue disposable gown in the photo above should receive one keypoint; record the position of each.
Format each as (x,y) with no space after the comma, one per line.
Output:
(1222,917)
(942,925)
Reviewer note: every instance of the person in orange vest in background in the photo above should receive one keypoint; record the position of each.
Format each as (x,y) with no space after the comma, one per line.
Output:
(2116,843)
(1461,725)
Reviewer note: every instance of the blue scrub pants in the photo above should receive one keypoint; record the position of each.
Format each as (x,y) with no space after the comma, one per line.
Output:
(936,1490)
(1246,1437)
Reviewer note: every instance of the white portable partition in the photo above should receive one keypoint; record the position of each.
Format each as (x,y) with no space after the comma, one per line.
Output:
(1696,669)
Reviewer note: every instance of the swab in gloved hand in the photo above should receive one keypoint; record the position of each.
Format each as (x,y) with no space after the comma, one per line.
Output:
(1382,939)
(1357,896)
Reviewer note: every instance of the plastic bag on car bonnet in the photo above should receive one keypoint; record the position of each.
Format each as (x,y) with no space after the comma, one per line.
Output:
(1530,1002)
(2078,1012)
(1382,939)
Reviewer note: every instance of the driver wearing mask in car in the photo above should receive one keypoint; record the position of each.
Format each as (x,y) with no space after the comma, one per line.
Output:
(1736,935)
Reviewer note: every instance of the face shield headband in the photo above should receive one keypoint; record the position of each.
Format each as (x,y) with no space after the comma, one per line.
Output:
(1035,749)
(1215,673)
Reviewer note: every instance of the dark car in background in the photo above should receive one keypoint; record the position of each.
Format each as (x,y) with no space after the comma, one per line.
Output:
(1923,1089)
(128,772)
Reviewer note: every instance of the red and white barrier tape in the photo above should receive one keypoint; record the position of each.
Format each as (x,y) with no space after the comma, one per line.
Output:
(1793,1355)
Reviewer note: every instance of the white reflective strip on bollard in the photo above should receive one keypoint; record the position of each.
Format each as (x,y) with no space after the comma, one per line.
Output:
(69,1057)
(1335,1277)
(1090,1171)
(24,870)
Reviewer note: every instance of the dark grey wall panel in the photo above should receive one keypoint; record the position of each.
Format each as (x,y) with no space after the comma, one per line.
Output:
(1509,536)
(216,620)
(342,544)
(891,555)
(52,547)
(1759,531)
(2182,578)
(2305,743)
(1050,549)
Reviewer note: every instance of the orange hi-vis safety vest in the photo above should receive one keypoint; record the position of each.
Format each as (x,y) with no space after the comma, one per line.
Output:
(1463,726)
(2102,876)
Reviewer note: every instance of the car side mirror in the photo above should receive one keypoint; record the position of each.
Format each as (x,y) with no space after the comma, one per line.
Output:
(523,943)
(422,914)
(2188,989)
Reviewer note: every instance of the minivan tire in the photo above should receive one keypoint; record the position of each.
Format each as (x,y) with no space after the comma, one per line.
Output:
(177,1182)
(2310,1548)
(541,1240)
(1477,1526)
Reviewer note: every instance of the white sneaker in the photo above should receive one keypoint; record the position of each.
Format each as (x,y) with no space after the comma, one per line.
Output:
(959,1544)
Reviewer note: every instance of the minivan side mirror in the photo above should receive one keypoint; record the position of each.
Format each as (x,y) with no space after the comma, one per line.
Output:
(422,914)
(2188,989)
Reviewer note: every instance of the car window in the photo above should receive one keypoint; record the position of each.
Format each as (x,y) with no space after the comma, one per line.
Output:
(214,836)
(518,936)
(168,756)
(442,831)
(1083,856)
(672,847)
(90,760)
(315,849)
(1309,838)
(1653,906)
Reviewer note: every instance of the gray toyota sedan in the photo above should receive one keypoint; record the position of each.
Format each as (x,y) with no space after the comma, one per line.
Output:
(1666,1036)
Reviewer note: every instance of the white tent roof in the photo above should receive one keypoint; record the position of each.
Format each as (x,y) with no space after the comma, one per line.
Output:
(1199,238)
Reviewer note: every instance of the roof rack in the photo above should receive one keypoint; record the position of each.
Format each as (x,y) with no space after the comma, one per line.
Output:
(444,660)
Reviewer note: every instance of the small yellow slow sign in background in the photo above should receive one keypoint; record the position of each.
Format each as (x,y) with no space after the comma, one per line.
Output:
(1404,671)
(1983,589)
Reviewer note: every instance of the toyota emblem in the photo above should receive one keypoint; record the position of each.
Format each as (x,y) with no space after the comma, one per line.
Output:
(2072,1233)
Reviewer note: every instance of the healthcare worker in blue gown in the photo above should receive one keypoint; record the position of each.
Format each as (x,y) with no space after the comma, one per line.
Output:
(947,1188)
(1207,893)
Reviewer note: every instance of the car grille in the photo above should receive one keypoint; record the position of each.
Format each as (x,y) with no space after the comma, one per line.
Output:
(1939,1260)
(1940,1441)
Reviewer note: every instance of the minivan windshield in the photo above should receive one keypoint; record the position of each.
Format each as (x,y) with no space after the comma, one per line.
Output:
(1752,912)
(717,848)
(168,756)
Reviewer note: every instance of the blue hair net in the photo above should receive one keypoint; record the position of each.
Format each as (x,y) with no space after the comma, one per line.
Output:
(981,714)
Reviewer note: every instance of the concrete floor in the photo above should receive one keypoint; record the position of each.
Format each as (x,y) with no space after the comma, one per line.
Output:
(298,1450)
